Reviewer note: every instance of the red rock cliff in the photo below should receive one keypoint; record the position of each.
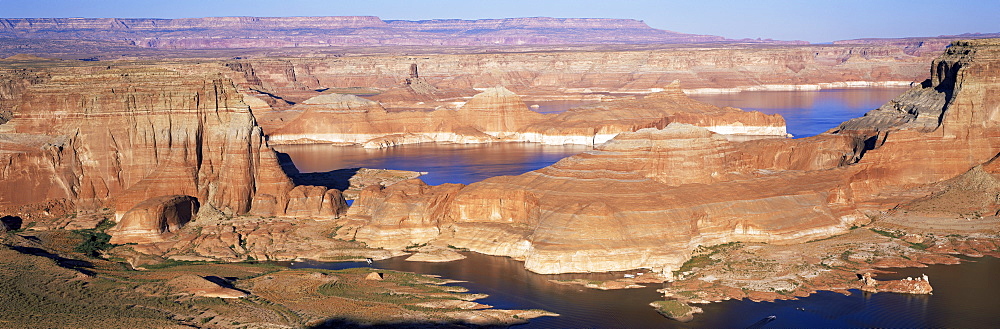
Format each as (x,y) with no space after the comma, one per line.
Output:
(116,136)
(646,199)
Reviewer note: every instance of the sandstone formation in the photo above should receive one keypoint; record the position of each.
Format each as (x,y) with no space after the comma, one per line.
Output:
(543,74)
(499,115)
(646,199)
(435,254)
(150,219)
(918,286)
(350,119)
(9,223)
(201,287)
(543,58)
(919,45)
(145,132)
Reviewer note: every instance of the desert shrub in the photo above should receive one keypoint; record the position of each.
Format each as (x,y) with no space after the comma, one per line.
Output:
(93,243)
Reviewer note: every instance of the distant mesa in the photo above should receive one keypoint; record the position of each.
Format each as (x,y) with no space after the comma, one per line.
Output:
(231,32)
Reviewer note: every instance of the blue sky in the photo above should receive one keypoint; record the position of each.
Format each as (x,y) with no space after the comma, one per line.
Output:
(810,20)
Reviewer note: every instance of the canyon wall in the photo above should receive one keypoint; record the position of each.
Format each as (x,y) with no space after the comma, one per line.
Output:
(98,136)
(919,45)
(499,115)
(645,199)
(596,75)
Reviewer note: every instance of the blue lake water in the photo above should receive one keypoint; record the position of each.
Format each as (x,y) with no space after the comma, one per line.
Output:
(443,163)
(808,113)
(965,296)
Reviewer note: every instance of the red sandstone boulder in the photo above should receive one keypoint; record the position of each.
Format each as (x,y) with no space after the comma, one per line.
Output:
(315,202)
(154,219)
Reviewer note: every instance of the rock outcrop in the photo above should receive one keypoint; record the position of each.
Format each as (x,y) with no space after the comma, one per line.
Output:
(499,115)
(646,199)
(916,286)
(113,137)
(201,287)
(149,220)
(643,198)
(336,118)
(919,45)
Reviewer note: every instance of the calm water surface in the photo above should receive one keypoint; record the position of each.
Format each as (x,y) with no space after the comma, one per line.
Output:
(808,113)
(444,163)
(965,296)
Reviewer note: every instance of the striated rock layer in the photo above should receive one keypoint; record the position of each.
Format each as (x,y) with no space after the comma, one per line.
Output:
(115,137)
(232,32)
(647,198)
(497,114)
(149,220)
(584,73)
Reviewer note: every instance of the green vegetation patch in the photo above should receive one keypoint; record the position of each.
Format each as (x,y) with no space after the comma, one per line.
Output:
(703,256)
(891,234)
(94,241)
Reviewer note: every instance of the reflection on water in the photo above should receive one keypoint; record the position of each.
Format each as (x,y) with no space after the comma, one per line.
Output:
(444,163)
(510,286)
(965,296)
(808,113)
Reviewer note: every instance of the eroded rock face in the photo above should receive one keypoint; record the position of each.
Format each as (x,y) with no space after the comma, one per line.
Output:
(539,75)
(599,123)
(917,286)
(113,137)
(499,115)
(404,214)
(315,202)
(944,127)
(151,220)
(647,198)
(351,119)
(627,204)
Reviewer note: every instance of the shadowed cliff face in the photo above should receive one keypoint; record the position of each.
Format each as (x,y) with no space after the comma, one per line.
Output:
(646,199)
(949,125)
(116,136)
